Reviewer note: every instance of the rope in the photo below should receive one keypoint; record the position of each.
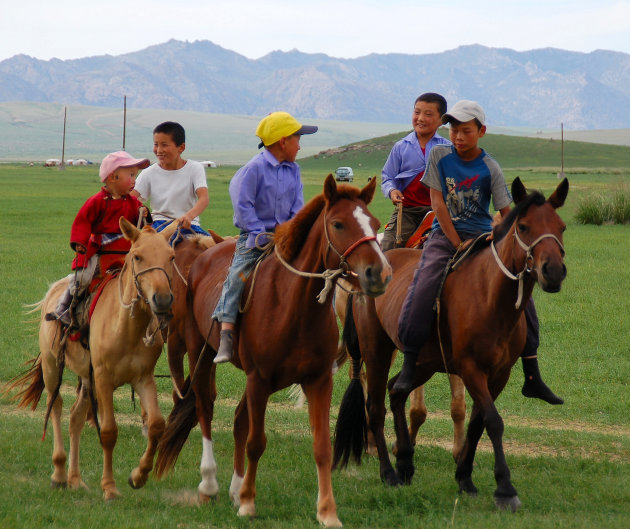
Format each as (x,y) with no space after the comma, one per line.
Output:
(327,275)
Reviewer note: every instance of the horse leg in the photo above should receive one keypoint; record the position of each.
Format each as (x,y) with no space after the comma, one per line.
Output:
(175,351)
(257,397)
(458,413)
(505,495)
(155,428)
(417,412)
(59,477)
(78,416)
(404,453)
(206,394)
(109,432)
(240,431)
(319,394)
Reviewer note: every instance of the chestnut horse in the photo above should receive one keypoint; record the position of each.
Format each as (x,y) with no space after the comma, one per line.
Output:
(124,346)
(288,334)
(479,334)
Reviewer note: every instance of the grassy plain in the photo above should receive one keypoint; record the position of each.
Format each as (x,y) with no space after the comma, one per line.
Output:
(569,463)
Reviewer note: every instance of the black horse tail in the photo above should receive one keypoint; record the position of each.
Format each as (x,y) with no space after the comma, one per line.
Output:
(351,427)
(180,422)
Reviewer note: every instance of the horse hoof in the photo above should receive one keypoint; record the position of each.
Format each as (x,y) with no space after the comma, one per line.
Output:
(204,498)
(391,479)
(329,521)
(111,495)
(467,486)
(247,509)
(135,485)
(511,503)
(58,484)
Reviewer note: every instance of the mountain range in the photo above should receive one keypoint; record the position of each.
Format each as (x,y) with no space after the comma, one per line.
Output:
(539,88)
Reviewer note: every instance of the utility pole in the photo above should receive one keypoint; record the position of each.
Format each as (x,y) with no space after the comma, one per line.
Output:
(124,121)
(62,165)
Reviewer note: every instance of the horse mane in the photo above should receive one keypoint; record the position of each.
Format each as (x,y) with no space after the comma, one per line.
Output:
(290,236)
(501,230)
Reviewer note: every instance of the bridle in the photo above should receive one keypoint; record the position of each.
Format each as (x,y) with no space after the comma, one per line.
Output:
(329,275)
(528,265)
(140,295)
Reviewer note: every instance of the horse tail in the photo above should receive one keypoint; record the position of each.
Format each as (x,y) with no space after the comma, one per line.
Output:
(180,422)
(351,427)
(34,377)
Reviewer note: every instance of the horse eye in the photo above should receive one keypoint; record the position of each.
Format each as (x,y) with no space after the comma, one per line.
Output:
(337,225)
(522,228)
(137,258)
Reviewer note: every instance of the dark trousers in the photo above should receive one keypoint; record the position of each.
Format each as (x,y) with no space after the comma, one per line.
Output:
(412,217)
(417,314)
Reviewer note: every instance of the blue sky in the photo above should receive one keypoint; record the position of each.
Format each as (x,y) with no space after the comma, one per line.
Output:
(69,29)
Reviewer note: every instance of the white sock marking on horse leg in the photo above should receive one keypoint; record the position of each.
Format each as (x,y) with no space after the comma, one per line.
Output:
(208,468)
(235,489)
(364,222)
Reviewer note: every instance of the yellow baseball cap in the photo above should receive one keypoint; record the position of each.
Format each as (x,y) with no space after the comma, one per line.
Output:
(279,125)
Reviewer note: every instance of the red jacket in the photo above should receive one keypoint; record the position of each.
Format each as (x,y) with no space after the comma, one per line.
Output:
(98,216)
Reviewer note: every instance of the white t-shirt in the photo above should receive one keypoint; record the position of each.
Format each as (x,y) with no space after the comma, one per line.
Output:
(172,193)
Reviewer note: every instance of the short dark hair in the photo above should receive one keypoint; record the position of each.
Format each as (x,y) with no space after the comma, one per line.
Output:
(432,97)
(174,130)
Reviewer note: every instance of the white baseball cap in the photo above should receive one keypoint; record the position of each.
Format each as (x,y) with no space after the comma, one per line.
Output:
(464,111)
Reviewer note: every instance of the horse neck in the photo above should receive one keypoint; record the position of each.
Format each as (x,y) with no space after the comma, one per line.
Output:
(312,258)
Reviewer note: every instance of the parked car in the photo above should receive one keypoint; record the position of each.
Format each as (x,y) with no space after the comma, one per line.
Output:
(344,174)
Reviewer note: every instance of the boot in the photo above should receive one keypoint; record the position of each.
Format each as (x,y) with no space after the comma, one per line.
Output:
(226,344)
(534,387)
(404,382)
(62,312)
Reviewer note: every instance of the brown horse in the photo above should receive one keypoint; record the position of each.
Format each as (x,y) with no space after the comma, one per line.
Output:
(479,335)
(124,345)
(288,334)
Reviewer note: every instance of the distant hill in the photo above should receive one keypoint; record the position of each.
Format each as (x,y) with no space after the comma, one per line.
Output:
(34,132)
(538,88)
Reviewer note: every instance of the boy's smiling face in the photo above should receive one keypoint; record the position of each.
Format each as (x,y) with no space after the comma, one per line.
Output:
(426,119)
(167,153)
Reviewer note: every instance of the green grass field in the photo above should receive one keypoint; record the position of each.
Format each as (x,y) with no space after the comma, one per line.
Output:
(570,463)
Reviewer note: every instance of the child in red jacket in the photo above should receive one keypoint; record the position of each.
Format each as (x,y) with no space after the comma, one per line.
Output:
(95,229)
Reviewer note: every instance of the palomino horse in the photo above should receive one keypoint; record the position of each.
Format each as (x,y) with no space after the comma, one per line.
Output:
(288,334)
(124,345)
(417,407)
(480,331)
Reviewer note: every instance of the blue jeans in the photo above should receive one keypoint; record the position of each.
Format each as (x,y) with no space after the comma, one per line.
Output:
(242,264)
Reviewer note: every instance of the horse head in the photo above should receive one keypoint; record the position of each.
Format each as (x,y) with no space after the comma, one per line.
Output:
(150,260)
(539,230)
(351,233)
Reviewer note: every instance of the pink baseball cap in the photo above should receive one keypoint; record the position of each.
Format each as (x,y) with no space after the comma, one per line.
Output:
(119,159)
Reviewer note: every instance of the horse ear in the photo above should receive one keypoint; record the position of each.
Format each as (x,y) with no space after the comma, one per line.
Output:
(518,190)
(560,194)
(367,193)
(129,231)
(330,188)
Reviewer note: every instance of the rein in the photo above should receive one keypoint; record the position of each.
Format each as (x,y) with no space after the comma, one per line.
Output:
(149,335)
(329,275)
(527,266)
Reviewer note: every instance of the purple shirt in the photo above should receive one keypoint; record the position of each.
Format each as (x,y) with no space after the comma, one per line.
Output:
(265,193)
(405,161)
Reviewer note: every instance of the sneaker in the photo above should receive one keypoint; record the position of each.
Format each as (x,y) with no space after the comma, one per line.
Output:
(226,345)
